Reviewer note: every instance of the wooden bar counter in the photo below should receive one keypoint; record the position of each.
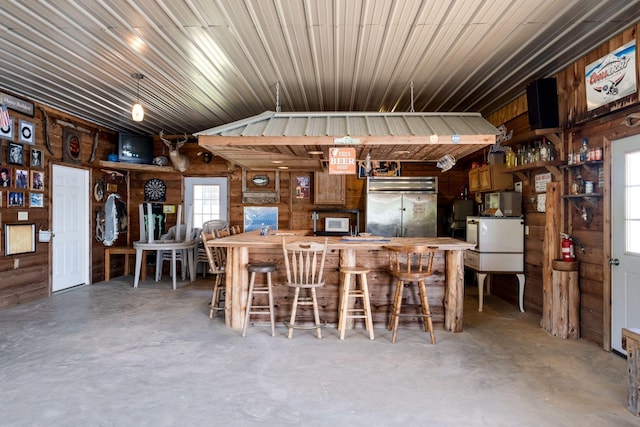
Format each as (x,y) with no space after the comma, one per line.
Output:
(445,287)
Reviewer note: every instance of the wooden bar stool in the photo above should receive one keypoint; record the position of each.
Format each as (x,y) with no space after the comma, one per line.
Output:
(351,312)
(266,268)
(305,264)
(411,264)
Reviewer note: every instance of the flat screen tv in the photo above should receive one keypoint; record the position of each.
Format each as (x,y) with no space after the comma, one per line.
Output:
(135,148)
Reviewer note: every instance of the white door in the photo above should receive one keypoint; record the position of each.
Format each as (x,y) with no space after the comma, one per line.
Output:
(625,237)
(70,219)
(208,198)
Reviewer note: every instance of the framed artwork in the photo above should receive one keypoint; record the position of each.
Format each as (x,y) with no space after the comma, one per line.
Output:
(19,239)
(26,132)
(36,158)
(5,177)
(15,154)
(302,187)
(71,146)
(36,200)
(379,168)
(256,217)
(37,180)
(7,131)
(15,199)
(22,178)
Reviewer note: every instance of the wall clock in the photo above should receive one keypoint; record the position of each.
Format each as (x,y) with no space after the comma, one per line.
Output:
(155,190)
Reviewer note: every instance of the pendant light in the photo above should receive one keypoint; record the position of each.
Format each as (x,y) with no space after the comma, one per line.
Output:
(137,112)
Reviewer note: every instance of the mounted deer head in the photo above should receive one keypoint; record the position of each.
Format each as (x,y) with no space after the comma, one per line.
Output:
(179,160)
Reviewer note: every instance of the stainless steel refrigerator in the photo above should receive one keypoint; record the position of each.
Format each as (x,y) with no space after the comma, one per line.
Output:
(402,206)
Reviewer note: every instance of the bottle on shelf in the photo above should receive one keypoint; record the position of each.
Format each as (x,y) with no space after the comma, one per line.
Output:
(544,151)
(584,150)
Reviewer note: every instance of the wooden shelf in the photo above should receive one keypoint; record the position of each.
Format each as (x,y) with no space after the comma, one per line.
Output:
(592,198)
(523,171)
(137,167)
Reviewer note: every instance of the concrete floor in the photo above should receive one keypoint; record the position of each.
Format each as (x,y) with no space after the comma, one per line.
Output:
(111,355)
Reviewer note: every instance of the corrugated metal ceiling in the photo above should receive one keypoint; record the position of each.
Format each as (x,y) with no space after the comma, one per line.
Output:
(207,63)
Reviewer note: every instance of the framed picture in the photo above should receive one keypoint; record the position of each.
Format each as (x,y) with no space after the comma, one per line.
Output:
(19,239)
(26,132)
(22,178)
(256,217)
(15,154)
(36,158)
(7,131)
(379,168)
(302,187)
(36,200)
(37,180)
(71,146)
(5,177)
(15,199)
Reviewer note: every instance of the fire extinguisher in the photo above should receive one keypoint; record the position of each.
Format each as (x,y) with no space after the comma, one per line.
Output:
(568,253)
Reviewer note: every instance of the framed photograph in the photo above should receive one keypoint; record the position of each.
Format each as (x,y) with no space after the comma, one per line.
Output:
(37,180)
(15,154)
(71,145)
(5,177)
(36,158)
(19,239)
(36,200)
(15,199)
(7,131)
(22,178)
(26,132)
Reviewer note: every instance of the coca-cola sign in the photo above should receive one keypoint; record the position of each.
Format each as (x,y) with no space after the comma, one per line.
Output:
(611,77)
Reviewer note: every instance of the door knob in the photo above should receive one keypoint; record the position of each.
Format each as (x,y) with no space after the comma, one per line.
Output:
(614,261)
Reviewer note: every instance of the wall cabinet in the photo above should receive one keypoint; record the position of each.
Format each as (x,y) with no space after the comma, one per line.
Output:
(490,178)
(329,189)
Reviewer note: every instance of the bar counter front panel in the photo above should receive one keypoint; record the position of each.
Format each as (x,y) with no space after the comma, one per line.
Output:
(445,288)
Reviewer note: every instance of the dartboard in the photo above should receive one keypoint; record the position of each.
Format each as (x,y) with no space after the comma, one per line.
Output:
(155,190)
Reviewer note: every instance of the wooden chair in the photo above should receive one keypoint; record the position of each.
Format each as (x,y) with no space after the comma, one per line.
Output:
(411,264)
(216,267)
(304,262)
(201,255)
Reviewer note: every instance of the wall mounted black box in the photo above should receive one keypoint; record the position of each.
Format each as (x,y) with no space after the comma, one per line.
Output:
(542,101)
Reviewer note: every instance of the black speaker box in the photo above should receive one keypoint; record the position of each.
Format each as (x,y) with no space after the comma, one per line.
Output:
(542,101)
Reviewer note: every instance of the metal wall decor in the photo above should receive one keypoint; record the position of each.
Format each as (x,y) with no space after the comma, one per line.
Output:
(71,146)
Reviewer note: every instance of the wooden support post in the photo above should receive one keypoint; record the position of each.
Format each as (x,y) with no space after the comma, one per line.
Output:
(565,310)
(551,248)
(631,343)
(454,291)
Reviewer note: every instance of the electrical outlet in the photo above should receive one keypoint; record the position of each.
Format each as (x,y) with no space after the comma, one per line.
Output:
(16,263)
(526,230)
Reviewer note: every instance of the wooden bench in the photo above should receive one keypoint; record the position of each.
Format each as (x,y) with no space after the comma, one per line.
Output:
(126,251)
(631,343)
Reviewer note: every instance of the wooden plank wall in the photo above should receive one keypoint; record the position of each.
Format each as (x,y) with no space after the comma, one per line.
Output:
(26,277)
(599,127)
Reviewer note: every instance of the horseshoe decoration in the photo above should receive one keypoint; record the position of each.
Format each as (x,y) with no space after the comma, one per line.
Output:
(47,140)
(95,146)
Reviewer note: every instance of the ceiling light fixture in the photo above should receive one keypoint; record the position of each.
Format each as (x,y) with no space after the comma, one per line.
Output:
(137,112)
